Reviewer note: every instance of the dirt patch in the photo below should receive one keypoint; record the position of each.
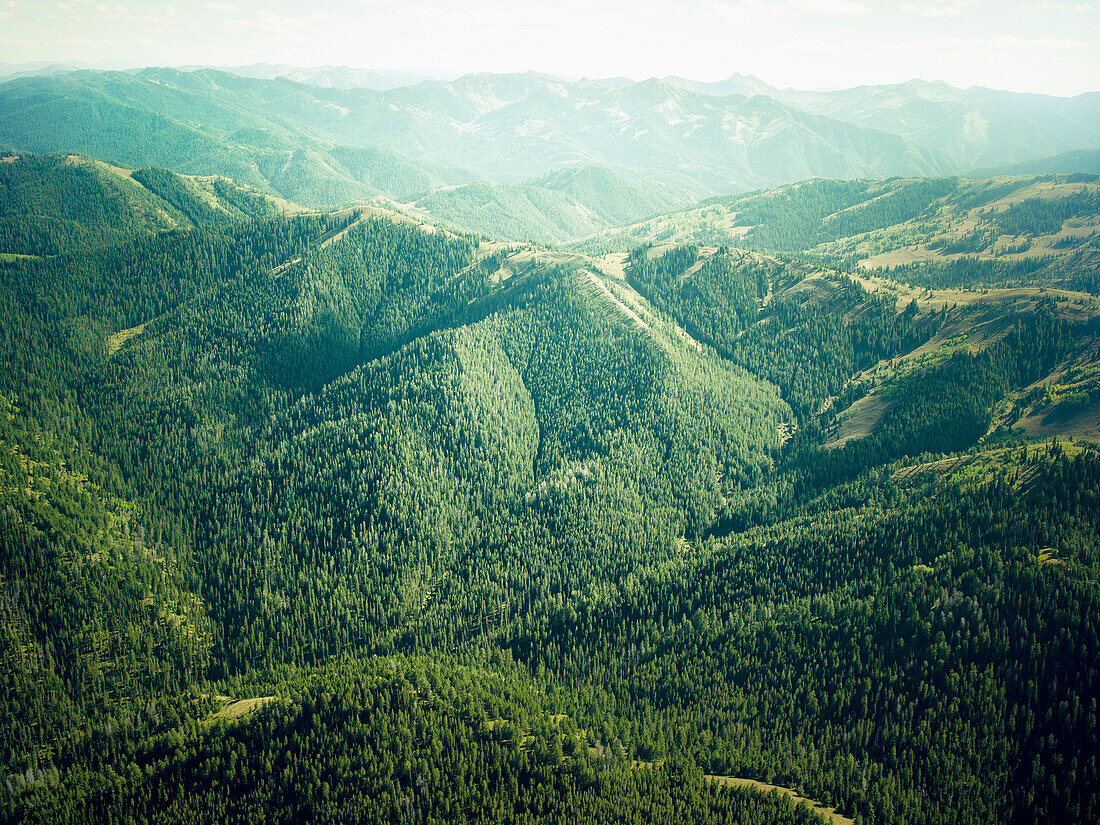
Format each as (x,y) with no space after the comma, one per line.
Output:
(118,170)
(1082,424)
(830,814)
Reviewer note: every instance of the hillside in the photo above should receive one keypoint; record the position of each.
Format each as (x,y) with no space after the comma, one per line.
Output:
(345,515)
(1085,161)
(57,204)
(940,233)
(267,134)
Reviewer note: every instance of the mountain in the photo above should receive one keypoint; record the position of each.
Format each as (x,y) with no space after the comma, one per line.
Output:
(55,205)
(708,138)
(516,126)
(1082,161)
(975,128)
(250,130)
(283,136)
(339,77)
(346,516)
(746,85)
(42,67)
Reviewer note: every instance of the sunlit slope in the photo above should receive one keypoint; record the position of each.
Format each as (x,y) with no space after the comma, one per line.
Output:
(904,370)
(348,515)
(934,232)
(573,430)
(482,407)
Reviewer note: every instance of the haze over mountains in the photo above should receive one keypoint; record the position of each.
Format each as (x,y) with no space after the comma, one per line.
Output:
(333,140)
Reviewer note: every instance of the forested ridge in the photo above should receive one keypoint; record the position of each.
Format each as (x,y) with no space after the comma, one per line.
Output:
(337,517)
(927,233)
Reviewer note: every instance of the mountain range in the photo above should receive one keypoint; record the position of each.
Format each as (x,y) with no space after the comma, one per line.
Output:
(339,142)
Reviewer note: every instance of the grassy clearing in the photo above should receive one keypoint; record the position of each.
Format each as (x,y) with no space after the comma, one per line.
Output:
(830,815)
(980,319)
(973,467)
(238,708)
(1082,423)
(858,421)
(115,342)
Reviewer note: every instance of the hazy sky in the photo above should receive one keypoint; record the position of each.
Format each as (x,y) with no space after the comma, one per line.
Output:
(1051,46)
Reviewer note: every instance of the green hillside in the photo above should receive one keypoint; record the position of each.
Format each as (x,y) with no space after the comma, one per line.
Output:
(926,232)
(261,133)
(344,516)
(50,205)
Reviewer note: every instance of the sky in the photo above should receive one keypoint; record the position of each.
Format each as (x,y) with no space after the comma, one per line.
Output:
(1052,46)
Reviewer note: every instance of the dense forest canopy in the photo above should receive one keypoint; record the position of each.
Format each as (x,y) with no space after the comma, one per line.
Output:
(345,516)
